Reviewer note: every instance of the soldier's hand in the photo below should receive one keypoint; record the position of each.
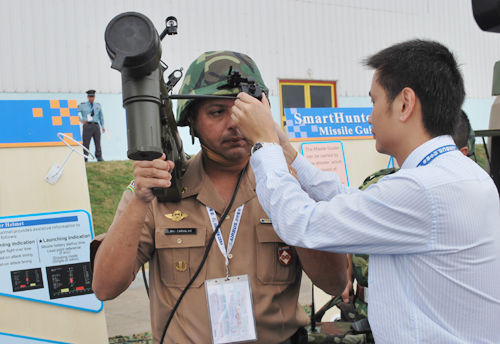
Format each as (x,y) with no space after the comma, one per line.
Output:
(151,174)
(346,294)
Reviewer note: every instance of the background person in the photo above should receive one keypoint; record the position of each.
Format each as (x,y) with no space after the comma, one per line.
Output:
(431,228)
(91,116)
(463,135)
(147,231)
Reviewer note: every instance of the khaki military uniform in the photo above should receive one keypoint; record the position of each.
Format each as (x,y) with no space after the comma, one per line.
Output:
(174,258)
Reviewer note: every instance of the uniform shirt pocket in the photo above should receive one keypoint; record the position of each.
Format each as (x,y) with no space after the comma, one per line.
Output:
(277,262)
(180,250)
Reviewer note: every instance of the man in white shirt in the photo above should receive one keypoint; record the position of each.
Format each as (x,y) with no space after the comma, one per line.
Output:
(432,228)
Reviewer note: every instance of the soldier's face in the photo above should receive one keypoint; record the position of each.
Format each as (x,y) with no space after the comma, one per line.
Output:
(91,98)
(217,130)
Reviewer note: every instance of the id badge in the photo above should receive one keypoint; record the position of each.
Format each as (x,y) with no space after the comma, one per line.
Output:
(89,118)
(231,309)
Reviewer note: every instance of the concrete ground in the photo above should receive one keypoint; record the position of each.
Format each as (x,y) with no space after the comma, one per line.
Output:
(129,312)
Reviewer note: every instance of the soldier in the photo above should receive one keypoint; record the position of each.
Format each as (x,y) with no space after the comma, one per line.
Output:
(173,237)
(91,117)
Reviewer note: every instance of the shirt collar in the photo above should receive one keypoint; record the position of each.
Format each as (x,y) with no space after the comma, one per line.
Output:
(196,182)
(421,151)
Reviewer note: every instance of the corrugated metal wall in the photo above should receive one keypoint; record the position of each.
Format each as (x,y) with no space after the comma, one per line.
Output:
(58,45)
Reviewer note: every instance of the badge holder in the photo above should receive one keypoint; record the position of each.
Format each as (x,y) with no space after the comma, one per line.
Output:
(230,309)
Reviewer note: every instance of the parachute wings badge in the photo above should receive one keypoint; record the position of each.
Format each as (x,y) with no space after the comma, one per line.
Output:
(177,216)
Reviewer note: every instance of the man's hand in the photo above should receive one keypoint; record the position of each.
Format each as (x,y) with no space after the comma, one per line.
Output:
(103,130)
(254,118)
(346,294)
(151,174)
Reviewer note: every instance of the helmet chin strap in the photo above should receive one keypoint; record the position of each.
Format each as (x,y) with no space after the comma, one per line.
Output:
(216,157)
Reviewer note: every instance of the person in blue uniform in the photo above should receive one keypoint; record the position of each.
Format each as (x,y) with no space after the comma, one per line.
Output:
(93,121)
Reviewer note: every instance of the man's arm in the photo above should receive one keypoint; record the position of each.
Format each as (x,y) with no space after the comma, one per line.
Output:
(349,286)
(115,259)
(379,220)
(325,269)
(101,119)
(80,110)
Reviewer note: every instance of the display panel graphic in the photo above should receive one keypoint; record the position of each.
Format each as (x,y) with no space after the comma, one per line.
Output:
(46,258)
(26,279)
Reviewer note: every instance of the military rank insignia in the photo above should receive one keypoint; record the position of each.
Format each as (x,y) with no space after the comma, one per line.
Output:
(176,216)
(285,255)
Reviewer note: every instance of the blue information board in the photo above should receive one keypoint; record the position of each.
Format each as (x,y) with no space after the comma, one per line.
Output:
(36,122)
(9,338)
(320,123)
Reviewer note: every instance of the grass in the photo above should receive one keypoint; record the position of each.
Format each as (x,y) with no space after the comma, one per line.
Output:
(107,180)
(141,338)
(480,155)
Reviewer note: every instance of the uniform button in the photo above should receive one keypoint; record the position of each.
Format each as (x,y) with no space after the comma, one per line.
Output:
(230,256)
(228,217)
(179,240)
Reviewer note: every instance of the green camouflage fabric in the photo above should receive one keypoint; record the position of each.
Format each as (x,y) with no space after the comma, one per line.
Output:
(360,273)
(322,338)
(208,75)
(375,177)
(338,331)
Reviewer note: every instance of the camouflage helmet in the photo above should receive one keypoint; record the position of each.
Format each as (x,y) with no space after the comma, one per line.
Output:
(208,75)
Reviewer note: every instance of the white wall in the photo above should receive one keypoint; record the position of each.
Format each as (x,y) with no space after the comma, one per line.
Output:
(54,49)
(58,45)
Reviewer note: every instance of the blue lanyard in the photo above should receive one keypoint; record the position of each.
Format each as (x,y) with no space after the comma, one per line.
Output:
(226,252)
(435,153)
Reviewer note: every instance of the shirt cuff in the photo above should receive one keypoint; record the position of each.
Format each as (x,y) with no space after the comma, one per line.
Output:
(267,159)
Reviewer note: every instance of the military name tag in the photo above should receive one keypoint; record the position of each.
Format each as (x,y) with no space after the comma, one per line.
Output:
(173,231)
(231,310)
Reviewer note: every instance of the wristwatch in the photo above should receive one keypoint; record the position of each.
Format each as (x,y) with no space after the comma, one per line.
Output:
(259,145)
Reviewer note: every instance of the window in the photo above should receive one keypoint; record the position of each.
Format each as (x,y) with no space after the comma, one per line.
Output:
(306,94)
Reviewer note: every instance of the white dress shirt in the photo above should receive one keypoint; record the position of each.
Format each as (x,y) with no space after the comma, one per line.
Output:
(433,233)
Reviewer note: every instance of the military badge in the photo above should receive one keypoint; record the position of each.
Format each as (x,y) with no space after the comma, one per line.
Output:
(181,266)
(285,255)
(131,186)
(176,216)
